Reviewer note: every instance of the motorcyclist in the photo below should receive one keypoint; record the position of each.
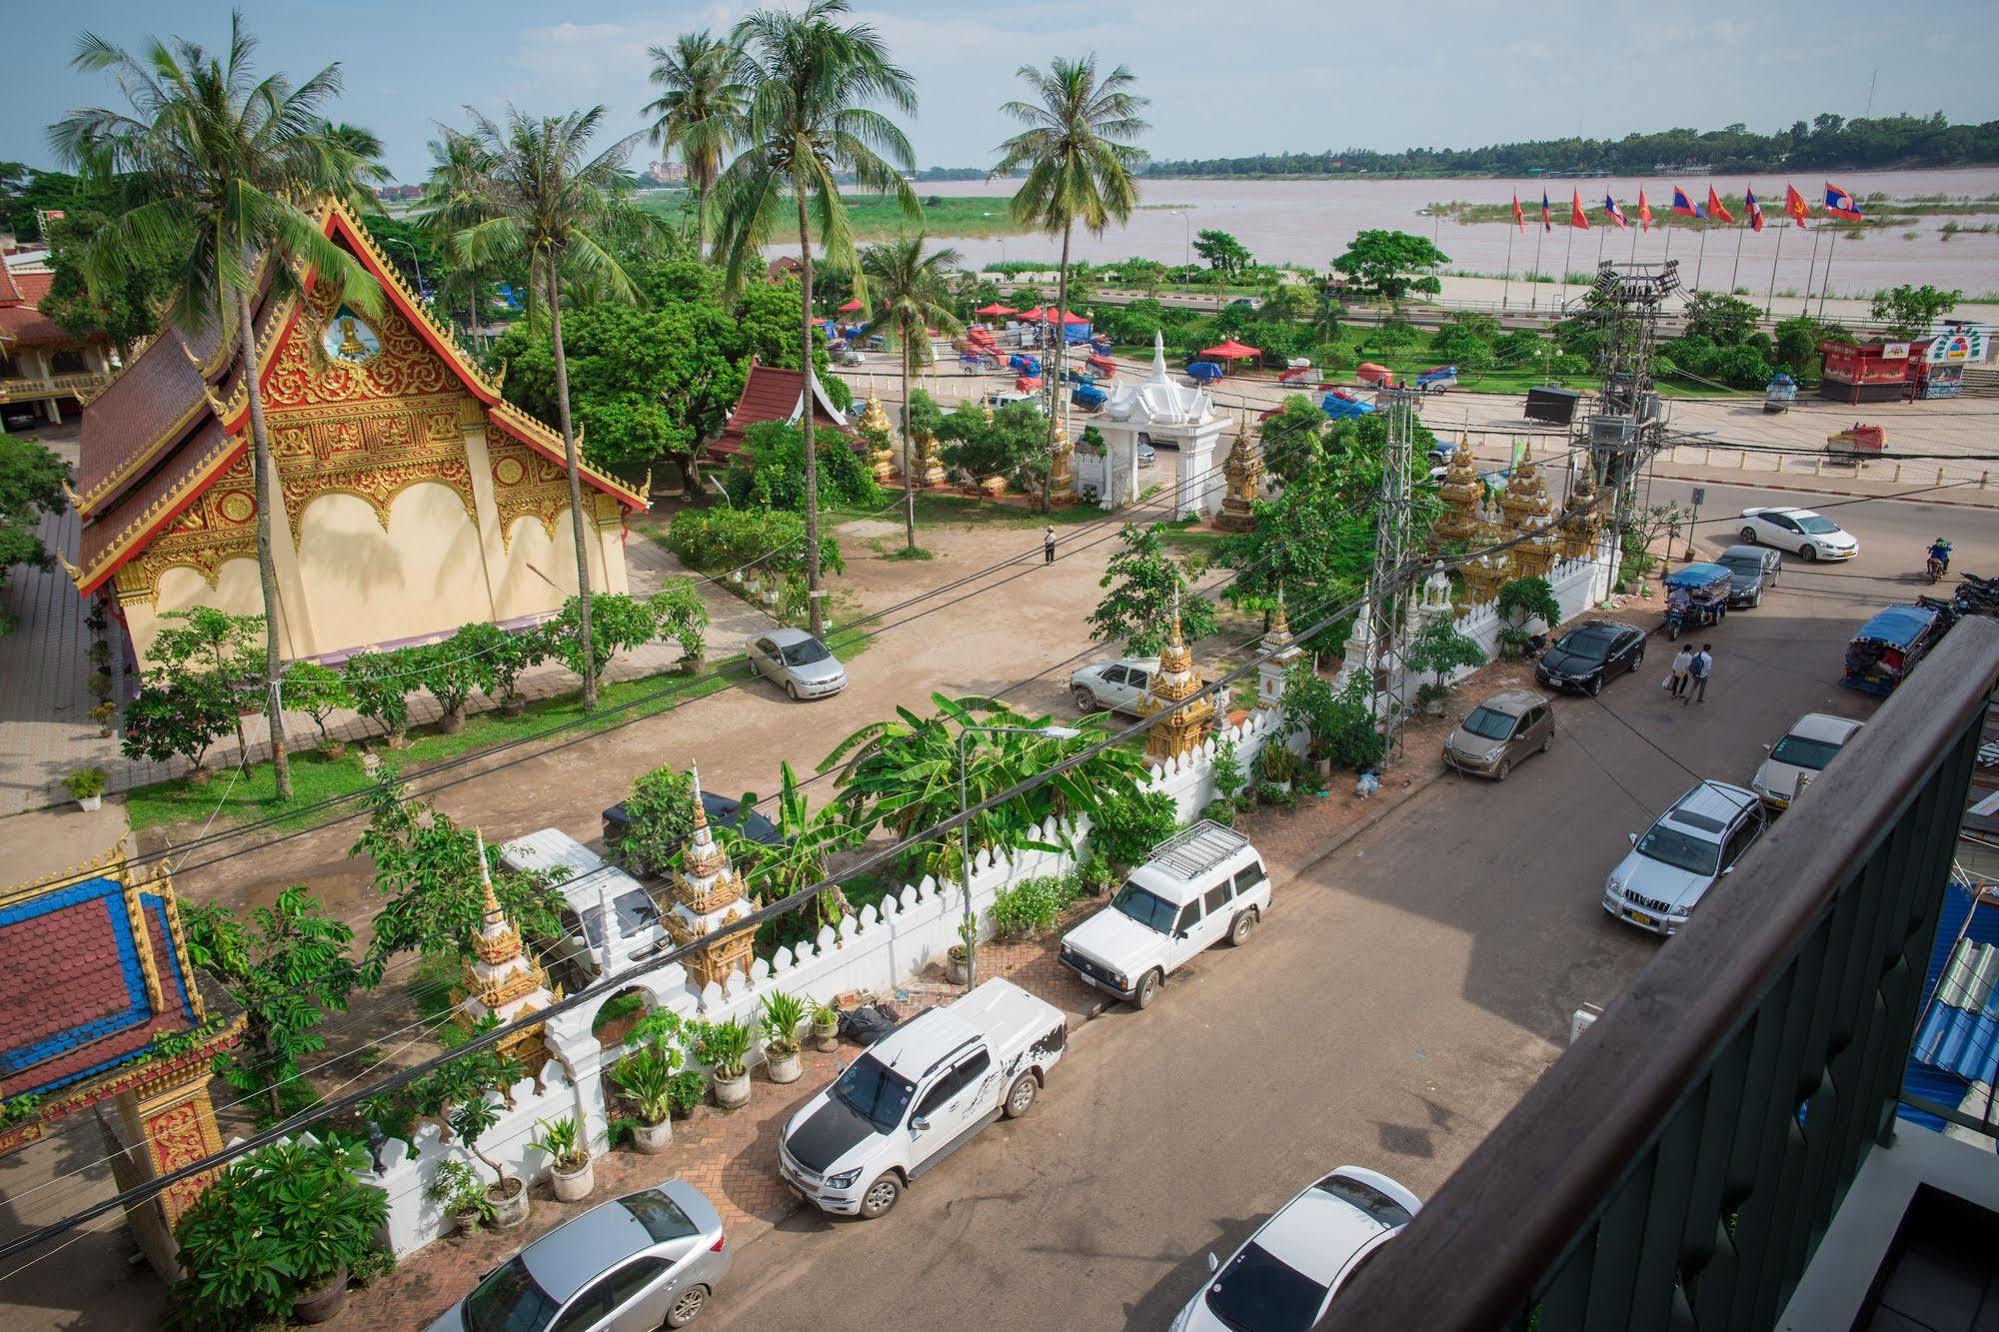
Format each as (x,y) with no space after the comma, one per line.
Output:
(1940,552)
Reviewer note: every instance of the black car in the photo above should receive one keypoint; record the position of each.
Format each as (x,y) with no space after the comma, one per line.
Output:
(1590,653)
(1752,570)
(722,812)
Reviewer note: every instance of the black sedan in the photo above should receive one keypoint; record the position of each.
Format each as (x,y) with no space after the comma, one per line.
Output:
(1590,653)
(1752,570)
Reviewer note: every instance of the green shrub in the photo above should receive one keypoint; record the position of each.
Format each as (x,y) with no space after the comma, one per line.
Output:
(1127,828)
(661,812)
(1031,907)
(1220,811)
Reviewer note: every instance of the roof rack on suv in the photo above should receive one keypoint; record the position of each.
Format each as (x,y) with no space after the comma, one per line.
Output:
(1198,849)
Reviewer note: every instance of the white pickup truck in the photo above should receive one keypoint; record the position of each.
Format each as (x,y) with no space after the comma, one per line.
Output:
(917,1095)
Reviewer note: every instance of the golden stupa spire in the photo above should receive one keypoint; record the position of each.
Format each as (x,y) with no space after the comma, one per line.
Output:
(1279,623)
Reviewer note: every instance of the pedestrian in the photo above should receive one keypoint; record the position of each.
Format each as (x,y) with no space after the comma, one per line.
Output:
(1697,673)
(1048,545)
(1682,663)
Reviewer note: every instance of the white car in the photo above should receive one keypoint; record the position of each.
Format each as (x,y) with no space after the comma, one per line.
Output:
(1813,536)
(1201,886)
(1123,685)
(1813,741)
(917,1095)
(1284,1276)
(1684,853)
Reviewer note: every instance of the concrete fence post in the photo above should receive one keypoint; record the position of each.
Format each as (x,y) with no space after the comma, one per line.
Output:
(1898,473)
(1983,479)
(1818,467)
(1939,476)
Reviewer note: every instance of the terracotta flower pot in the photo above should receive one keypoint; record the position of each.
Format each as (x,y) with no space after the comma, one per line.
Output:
(732,1092)
(317,1306)
(510,1204)
(573,1185)
(786,1066)
(652,1139)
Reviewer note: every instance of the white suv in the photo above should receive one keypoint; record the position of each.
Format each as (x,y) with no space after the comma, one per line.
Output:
(1121,686)
(1202,885)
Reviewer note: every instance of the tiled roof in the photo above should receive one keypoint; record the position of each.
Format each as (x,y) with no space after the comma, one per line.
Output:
(34,286)
(24,324)
(771,394)
(10,291)
(169,486)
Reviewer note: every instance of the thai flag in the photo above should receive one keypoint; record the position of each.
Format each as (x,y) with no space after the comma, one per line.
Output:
(1840,203)
(1755,209)
(1615,213)
(1547,213)
(1684,206)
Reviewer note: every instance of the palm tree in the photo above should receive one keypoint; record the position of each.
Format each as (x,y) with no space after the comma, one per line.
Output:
(365,144)
(210,166)
(811,81)
(542,201)
(1079,167)
(912,294)
(449,207)
(699,110)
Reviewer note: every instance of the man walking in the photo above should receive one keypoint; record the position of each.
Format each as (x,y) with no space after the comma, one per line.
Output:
(1697,673)
(1048,545)
(1682,663)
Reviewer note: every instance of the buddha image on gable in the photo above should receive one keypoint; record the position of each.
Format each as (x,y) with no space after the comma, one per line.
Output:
(348,339)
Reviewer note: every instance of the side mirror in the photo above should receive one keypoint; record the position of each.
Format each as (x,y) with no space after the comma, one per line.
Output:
(918,1124)
(1633,837)
(1214,1263)
(1766,749)
(1728,869)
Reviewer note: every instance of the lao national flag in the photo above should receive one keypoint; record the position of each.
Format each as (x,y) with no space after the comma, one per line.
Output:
(1644,213)
(1755,209)
(1547,214)
(1840,203)
(1795,206)
(1518,220)
(1613,212)
(1715,209)
(1682,205)
(1577,217)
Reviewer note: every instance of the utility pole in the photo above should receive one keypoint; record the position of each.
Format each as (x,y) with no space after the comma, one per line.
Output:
(1389,609)
(1626,425)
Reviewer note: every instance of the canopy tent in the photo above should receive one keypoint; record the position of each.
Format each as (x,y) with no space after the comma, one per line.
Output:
(850,307)
(1039,314)
(995,311)
(1231,350)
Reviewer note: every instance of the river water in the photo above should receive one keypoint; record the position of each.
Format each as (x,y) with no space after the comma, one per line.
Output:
(1309,221)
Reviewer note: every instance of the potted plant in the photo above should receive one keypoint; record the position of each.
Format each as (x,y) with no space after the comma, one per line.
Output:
(825,1028)
(1278,766)
(781,1018)
(1514,642)
(99,652)
(571,1173)
(457,1189)
(86,786)
(646,1075)
(725,1048)
(104,713)
(1437,649)
(460,1094)
(685,1091)
(960,953)
(100,683)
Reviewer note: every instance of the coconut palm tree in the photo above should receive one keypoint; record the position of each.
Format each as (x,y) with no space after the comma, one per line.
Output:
(911,291)
(699,111)
(812,83)
(449,207)
(216,168)
(1079,167)
(542,201)
(365,144)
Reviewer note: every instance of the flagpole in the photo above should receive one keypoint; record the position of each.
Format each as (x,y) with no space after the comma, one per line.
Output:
(1634,243)
(1669,241)
(1826,278)
(1601,236)
(1769,297)
(1567,250)
(1740,228)
(1700,257)
(1533,297)
(1507,284)
(1811,271)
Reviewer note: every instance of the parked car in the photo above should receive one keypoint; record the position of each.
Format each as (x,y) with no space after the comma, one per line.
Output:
(1590,654)
(1499,733)
(649,1259)
(917,1095)
(1811,535)
(803,665)
(1696,841)
(1247,303)
(722,811)
(1284,1275)
(1752,571)
(1813,741)
(1200,886)
(1147,455)
(1117,686)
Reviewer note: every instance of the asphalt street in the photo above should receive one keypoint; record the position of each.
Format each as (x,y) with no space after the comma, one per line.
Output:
(1405,992)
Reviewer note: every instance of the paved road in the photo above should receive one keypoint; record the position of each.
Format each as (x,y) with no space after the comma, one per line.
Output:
(1404,994)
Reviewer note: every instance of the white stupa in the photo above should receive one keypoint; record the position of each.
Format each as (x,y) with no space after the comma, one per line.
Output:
(1157,410)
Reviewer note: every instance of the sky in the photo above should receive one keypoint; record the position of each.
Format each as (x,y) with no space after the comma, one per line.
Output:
(1225,76)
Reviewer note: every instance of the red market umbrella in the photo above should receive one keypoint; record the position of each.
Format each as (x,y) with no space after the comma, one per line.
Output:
(1038,315)
(1073,318)
(995,310)
(1230,350)
(850,307)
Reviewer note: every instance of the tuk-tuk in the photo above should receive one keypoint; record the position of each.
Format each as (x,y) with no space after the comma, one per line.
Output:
(1888,647)
(1088,397)
(1342,403)
(1696,596)
(1783,391)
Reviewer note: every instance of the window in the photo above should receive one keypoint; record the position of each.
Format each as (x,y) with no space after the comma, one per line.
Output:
(508,1300)
(1800,752)
(626,1283)
(871,1089)
(1248,877)
(586,1309)
(1148,909)
(1783,522)
(1535,716)
(659,1214)
(1114,675)
(765,646)
(1139,679)
(1217,897)
(1739,840)
(805,653)
(947,1087)
(1190,915)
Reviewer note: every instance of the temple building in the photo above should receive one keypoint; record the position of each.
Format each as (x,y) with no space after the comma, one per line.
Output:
(1157,410)
(771,393)
(411,497)
(43,366)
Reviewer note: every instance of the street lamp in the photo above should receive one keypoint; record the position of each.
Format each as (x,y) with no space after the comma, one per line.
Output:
(415,258)
(970,927)
(1187,238)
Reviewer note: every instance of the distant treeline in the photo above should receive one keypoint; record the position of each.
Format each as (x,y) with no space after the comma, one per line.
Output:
(1829,142)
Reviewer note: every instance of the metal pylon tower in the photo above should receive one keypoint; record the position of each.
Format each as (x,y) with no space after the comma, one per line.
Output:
(1389,606)
(1624,425)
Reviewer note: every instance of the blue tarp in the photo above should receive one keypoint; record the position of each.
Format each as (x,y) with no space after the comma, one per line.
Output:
(1953,1046)
(1205,371)
(1898,626)
(1340,408)
(1697,575)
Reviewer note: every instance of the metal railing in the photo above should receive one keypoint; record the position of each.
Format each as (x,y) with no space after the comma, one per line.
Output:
(1678,1166)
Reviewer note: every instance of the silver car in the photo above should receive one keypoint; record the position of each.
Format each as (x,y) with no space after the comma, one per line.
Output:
(803,665)
(646,1260)
(1696,841)
(1124,685)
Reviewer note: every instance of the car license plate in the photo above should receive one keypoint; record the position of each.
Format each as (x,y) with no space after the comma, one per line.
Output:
(1640,917)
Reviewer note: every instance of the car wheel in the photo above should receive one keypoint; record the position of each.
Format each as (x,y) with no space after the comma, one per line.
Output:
(1085,700)
(1499,773)
(1637,660)
(880,1197)
(1148,989)
(1593,686)
(1020,1096)
(1547,742)
(1756,600)
(791,691)
(1243,926)
(687,1306)
(1749,535)
(1808,552)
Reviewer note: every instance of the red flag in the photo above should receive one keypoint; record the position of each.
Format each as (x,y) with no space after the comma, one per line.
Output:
(1519,219)
(1795,205)
(1714,208)
(1644,213)
(1577,217)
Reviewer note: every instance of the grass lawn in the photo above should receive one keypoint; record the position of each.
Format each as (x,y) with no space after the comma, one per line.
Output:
(935,508)
(877,217)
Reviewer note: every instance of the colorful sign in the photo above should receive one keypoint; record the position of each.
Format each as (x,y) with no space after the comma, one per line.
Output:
(1894,351)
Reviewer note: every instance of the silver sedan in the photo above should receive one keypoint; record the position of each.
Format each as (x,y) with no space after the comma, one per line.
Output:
(798,662)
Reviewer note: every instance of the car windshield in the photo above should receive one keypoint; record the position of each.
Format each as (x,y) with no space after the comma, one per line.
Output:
(1489,725)
(1590,643)
(1816,525)
(804,654)
(508,1300)
(1256,1293)
(1672,847)
(875,1092)
(1148,909)
(1802,753)
(1742,564)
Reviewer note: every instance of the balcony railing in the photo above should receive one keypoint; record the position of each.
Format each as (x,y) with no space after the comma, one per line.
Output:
(55,386)
(1678,1166)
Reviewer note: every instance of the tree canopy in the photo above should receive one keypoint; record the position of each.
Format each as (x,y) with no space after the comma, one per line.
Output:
(1385,261)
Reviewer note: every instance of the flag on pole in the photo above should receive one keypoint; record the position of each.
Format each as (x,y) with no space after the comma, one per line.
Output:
(1840,203)
(1755,209)
(1684,206)
(1547,215)
(1577,217)
(1613,212)
(1795,205)
(1715,209)
(1644,213)
(1518,219)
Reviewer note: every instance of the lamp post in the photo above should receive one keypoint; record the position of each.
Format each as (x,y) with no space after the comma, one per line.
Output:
(415,258)
(969,930)
(1186,238)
